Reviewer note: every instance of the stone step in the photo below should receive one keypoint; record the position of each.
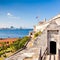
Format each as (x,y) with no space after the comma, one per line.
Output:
(47,57)
(51,57)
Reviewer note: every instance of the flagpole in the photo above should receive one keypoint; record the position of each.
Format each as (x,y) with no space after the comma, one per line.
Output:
(37,17)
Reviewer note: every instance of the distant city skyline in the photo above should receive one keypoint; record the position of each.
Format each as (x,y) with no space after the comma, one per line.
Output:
(23,13)
(14,27)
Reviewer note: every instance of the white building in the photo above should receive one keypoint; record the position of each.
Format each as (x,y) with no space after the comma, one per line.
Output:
(43,24)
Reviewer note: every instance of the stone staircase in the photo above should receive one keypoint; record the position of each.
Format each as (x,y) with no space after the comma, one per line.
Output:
(45,56)
(51,57)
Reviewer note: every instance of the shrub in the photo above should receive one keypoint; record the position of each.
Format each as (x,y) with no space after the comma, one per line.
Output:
(20,42)
(1,52)
(4,55)
(37,34)
(0,48)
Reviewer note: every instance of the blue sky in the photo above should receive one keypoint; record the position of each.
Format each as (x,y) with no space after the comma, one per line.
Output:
(23,12)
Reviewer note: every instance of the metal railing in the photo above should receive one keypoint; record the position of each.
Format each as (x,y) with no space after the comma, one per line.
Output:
(43,57)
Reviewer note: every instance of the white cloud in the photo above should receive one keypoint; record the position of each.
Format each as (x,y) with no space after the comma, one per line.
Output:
(9,14)
(12,16)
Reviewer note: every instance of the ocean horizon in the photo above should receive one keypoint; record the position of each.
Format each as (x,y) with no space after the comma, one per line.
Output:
(14,33)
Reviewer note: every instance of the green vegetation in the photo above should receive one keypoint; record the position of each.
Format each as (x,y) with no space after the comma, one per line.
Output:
(18,44)
(37,34)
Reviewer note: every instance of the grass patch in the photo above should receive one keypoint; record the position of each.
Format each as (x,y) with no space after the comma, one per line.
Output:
(1,58)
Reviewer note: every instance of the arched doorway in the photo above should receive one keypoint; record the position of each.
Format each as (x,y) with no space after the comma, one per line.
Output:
(52,47)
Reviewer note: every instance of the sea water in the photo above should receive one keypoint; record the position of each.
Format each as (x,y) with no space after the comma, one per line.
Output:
(14,33)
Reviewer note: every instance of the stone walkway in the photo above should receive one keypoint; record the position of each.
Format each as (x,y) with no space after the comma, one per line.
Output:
(32,54)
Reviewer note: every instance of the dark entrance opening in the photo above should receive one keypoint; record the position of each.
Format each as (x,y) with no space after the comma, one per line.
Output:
(52,47)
